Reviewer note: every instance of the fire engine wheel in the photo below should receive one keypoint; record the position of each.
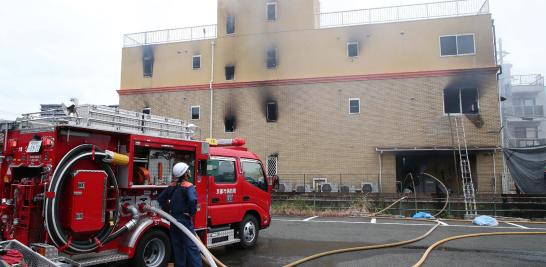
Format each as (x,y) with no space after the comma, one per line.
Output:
(153,250)
(248,231)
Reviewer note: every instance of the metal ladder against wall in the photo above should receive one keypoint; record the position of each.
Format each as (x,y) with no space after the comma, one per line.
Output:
(466,172)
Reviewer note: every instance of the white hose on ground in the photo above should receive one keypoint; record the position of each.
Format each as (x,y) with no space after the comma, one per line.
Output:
(187,232)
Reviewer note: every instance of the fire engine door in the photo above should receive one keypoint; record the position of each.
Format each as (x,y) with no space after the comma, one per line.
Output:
(255,187)
(224,190)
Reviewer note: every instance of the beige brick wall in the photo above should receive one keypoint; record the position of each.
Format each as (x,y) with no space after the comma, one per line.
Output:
(315,134)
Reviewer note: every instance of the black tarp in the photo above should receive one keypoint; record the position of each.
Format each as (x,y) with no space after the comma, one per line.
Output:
(526,165)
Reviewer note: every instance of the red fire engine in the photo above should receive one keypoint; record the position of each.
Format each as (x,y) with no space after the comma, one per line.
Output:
(74,185)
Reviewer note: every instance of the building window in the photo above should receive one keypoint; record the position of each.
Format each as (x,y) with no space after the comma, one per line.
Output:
(229,124)
(230,24)
(147,111)
(195,112)
(354,105)
(271,58)
(196,62)
(272,165)
(352,49)
(271,10)
(457,45)
(461,101)
(230,72)
(148,60)
(271,111)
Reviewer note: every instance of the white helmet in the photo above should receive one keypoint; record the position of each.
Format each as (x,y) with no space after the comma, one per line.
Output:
(180,169)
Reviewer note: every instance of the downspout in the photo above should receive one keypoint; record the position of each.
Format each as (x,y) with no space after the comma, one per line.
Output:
(380,172)
(213,45)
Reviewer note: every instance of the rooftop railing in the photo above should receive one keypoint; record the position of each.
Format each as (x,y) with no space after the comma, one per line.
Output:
(170,35)
(404,13)
(528,80)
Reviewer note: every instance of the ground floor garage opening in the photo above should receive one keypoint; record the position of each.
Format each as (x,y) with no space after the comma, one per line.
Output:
(444,165)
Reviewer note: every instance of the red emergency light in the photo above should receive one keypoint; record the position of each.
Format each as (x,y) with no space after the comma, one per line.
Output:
(48,141)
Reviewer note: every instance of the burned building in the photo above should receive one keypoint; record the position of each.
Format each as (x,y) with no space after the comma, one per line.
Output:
(354,99)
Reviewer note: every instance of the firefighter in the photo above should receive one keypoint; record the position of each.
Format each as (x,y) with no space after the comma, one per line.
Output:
(181,199)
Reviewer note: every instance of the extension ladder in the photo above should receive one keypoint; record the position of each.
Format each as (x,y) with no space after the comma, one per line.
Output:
(466,173)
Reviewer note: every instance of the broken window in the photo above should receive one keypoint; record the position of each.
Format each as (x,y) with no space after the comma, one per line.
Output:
(230,24)
(230,72)
(352,49)
(229,124)
(196,62)
(195,112)
(271,9)
(271,58)
(454,45)
(354,105)
(271,112)
(148,60)
(461,101)
(147,111)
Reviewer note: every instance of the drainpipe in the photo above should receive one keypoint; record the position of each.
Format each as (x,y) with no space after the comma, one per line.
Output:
(380,172)
(213,45)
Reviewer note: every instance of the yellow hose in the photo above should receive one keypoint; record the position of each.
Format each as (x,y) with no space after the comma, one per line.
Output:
(388,207)
(427,252)
(388,245)
(218,262)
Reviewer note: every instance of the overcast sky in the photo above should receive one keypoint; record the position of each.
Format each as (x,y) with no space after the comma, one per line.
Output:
(52,50)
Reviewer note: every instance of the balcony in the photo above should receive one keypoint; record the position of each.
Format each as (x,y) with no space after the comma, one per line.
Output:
(524,111)
(528,80)
(404,13)
(527,142)
(170,35)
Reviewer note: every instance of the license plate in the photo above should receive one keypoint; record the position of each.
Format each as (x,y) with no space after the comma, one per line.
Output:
(34,146)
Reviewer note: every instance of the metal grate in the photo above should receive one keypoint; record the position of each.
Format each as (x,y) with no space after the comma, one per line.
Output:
(31,258)
(272,166)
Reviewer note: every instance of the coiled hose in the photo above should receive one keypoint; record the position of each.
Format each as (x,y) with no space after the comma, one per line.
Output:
(59,236)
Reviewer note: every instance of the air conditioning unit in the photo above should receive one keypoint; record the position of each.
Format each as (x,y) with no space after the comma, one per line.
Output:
(303,188)
(368,187)
(347,189)
(317,182)
(285,187)
(328,188)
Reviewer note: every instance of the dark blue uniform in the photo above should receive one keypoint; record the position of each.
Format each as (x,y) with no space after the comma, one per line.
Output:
(182,200)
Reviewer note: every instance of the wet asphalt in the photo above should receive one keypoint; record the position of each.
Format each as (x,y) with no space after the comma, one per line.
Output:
(292,238)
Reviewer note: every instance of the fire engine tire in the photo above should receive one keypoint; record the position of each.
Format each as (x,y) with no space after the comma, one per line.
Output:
(153,250)
(248,231)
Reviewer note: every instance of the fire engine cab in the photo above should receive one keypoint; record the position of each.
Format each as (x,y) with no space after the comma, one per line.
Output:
(74,186)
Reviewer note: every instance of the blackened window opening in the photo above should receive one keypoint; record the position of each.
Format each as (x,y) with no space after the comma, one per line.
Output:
(352,49)
(230,72)
(148,60)
(272,112)
(230,24)
(461,101)
(271,11)
(271,58)
(196,62)
(229,124)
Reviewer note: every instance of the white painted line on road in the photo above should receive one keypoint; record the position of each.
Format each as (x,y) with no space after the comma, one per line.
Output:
(410,224)
(373,220)
(308,219)
(442,223)
(517,225)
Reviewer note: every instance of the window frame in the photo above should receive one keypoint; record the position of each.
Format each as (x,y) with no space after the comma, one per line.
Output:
(460,113)
(226,128)
(225,72)
(198,112)
(192,62)
(271,3)
(234,168)
(268,119)
(227,24)
(264,174)
(276,58)
(357,48)
(457,44)
(349,105)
